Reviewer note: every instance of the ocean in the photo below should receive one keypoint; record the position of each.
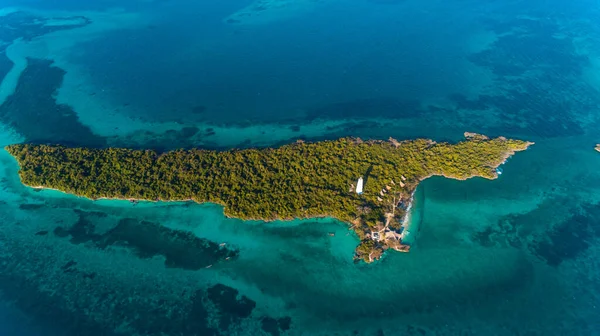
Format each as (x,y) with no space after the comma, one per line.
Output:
(518,255)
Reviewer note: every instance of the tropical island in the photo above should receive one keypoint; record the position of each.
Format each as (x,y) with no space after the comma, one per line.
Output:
(367,184)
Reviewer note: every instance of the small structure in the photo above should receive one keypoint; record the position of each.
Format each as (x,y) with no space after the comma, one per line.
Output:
(359,186)
(375,235)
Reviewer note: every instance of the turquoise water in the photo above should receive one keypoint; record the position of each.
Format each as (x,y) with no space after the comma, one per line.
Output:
(514,256)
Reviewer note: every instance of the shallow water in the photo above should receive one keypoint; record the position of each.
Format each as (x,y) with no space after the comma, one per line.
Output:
(516,255)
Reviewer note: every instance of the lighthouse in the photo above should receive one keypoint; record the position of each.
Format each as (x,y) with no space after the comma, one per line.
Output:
(359,185)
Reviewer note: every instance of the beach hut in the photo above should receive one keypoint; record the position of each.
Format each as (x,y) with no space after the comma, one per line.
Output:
(359,185)
(375,235)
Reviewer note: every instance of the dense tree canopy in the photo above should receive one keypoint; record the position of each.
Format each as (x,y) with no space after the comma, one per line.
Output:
(299,180)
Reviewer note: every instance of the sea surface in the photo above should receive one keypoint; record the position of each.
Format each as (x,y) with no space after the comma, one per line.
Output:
(519,255)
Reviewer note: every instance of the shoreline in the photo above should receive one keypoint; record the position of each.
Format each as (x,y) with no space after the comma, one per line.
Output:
(407,216)
(403,221)
(185,201)
(261,200)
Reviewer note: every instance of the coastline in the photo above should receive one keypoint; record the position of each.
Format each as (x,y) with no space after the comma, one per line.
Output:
(407,216)
(413,217)
(252,184)
(403,221)
(188,200)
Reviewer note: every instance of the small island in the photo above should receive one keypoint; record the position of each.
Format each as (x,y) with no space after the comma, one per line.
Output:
(367,184)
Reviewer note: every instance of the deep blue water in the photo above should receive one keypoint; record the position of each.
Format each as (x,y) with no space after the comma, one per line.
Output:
(514,256)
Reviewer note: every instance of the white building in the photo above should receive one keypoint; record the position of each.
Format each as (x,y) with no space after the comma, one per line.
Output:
(359,185)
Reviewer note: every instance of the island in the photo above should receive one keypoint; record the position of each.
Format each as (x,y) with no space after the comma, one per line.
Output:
(367,184)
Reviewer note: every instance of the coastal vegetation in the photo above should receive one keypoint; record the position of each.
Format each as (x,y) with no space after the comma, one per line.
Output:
(299,180)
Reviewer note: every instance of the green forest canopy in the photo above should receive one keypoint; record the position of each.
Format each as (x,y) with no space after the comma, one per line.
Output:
(298,180)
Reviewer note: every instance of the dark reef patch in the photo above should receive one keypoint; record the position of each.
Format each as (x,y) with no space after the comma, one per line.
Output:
(571,235)
(388,108)
(226,299)
(569,238)
(31,206)
(198,109)
(180,249)
(526,44)
(546,116)
(80,232)
(187,137)
(5,64)
(86,303)
(231,306)
(274,326)
(526,58)
(196,319)
(209,131)
(33,112)
(188,132)
(27,26)
(49,310)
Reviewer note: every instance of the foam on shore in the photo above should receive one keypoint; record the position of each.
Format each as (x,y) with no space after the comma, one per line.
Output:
(413,217)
